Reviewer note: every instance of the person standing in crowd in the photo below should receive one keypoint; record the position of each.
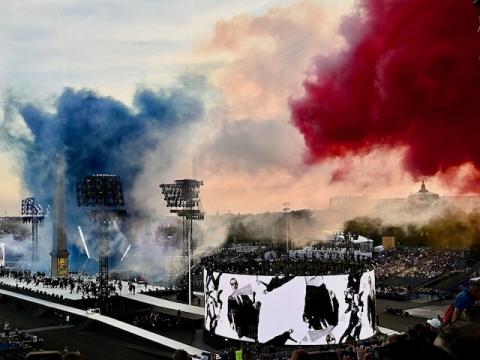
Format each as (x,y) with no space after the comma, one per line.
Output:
(465,300)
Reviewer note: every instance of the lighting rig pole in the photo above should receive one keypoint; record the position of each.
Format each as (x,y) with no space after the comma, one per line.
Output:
(33,213)
(184,197)
(286,210)
(103,194)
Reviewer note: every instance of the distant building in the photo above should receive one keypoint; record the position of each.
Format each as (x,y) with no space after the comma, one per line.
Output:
(420,205)
(423,198)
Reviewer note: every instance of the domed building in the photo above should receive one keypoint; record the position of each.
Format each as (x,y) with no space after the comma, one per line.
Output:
(423,198)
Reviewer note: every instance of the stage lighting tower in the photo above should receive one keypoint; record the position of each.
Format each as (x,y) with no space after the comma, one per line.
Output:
(103,194)
(184,198)
(33,213)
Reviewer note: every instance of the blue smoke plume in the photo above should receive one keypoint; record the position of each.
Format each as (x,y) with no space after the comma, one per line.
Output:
(99,134)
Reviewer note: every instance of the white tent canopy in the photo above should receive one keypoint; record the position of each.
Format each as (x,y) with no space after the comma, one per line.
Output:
(362,240)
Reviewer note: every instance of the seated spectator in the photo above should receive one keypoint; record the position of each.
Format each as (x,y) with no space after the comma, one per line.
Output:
(434,325)
(410,349)
(72,356)
(460,340)
(299,354)
(181,354)
(423,333)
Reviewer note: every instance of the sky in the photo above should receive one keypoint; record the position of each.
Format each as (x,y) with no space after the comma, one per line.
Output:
(240,64)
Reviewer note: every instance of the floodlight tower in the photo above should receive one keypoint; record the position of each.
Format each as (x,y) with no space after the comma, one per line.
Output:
(33,213)
(103,194)
(184,197)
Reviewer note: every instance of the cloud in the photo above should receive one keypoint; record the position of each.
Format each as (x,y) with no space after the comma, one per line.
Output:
(401,82)
(247,145)
(251,157)
(263,57)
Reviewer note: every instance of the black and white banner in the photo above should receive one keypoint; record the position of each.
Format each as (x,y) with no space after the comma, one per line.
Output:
(291,310)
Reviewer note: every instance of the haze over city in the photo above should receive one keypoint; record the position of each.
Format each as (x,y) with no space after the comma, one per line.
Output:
(219,91)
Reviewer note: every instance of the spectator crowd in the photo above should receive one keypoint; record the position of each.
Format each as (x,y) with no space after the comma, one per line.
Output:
(421,262)
(430,340)
(402,273)
(259,262)
(17,340)
(398,292)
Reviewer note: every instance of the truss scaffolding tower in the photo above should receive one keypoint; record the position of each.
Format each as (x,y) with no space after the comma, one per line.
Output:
(103,194)
(183,197)
(33,213)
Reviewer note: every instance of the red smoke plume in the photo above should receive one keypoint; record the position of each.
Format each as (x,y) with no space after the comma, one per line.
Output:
(410,76)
